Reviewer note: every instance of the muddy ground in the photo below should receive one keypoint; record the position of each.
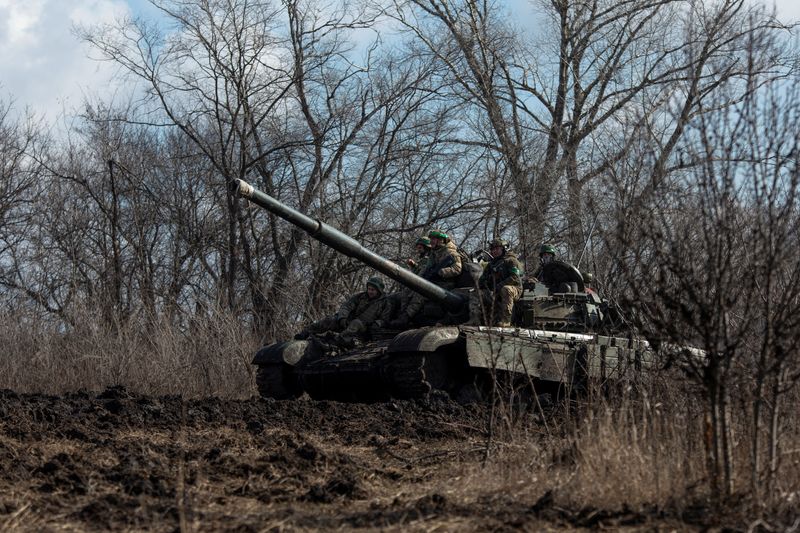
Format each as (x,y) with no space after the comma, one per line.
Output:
(118,461)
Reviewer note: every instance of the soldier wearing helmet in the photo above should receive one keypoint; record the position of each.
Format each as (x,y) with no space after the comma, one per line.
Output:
(406,302)
(547,254)
(499,287)
(423,248)
(444,263)
(356,315)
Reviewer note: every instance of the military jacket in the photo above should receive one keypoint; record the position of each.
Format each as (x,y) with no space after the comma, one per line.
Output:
(443,263)
(360,306)
(503,270)
(421,265)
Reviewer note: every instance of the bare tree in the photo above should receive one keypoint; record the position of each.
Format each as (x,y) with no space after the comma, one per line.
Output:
(709,253)
(568,107)
(21,146)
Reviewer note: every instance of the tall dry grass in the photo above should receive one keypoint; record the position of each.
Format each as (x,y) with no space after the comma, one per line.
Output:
(635,448)
(208,357)
(640,448)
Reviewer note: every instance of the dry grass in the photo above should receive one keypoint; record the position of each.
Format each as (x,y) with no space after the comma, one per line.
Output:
(209,358)
(645,450)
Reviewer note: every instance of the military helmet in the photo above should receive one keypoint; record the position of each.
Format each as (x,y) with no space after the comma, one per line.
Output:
(439,234)
(497,241)
(424,241)
(377,283)
(588,277)
(547,249)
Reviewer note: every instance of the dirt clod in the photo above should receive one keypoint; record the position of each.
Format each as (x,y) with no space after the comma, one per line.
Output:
(120,461)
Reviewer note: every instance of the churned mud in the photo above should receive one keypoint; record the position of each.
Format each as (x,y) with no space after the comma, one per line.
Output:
(118,461)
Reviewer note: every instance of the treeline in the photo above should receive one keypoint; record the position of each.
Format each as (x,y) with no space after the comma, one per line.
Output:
(654,142)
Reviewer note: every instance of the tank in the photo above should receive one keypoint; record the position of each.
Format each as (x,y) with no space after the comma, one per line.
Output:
(563,338)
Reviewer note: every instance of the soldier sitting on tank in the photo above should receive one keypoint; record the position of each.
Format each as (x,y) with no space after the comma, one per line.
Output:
(547,254)
(499,287)
(406,304)
(360,312)
(444,264)
(558,276)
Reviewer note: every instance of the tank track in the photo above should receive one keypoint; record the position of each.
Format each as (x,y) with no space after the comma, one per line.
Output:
(277,381)
(406,375)
(415,375)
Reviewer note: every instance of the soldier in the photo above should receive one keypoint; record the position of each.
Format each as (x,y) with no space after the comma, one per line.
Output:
(499,286)
(556,275)
(547,254)
(407,302)
(444,264)
(356,315)
(423,247)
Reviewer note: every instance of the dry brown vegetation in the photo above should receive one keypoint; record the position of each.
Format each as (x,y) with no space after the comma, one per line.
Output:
(655,143)
(212,455)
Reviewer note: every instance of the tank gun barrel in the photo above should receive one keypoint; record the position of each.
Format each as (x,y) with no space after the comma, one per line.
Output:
(345,244)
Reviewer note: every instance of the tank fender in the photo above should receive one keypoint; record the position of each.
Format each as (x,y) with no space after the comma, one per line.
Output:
(289,352)
(424,339)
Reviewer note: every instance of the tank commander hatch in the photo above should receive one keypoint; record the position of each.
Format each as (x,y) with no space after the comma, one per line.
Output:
(356,315)
(556,275)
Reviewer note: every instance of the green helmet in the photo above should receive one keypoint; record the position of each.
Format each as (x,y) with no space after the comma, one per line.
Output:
(588,277)
(547,249)
(439,234)
(497,241)
(424,241)
(377,283)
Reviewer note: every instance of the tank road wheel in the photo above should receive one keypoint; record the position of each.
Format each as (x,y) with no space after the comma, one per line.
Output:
(417,374)
(277,381)
(406,375)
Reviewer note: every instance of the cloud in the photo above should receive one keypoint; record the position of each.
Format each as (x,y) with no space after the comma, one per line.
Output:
(43,65)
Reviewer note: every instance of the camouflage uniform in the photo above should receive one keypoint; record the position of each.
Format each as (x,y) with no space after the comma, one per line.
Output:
(410,302)
(355,315)
(444,265)
(405,304)
(499,287)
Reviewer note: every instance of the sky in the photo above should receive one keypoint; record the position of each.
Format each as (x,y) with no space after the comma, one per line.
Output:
(46,69)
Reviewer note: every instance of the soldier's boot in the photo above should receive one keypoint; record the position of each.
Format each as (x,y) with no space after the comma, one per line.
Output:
(503,317)
(505,306)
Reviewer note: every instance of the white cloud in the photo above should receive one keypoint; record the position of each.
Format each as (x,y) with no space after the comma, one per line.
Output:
(43,65)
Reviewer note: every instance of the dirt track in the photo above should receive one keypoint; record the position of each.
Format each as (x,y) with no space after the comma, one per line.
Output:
(125,462)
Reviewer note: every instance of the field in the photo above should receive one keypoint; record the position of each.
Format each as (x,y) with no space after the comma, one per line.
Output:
(120,461)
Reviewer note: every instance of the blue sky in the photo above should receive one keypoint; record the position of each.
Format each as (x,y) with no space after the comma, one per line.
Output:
(44,68)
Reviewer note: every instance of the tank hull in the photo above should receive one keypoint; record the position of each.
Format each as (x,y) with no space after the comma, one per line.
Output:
(451,359)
